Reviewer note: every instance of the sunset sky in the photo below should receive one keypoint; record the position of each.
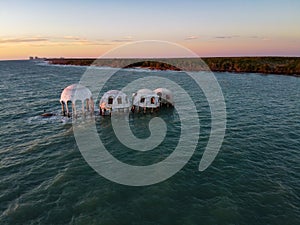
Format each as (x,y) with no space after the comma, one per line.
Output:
(90,28)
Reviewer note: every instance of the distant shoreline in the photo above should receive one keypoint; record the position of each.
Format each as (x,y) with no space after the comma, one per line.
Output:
(266,65)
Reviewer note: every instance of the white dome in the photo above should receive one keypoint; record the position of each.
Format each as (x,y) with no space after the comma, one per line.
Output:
(145,98)
(75,92)
(166,96)
(114,99)
(145,92)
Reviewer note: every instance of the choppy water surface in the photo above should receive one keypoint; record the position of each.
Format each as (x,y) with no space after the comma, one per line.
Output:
(255,178)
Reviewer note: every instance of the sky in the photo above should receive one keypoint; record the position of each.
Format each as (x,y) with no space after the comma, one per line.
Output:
(90,28)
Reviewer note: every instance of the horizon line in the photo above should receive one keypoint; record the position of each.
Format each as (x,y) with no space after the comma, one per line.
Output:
(78,57)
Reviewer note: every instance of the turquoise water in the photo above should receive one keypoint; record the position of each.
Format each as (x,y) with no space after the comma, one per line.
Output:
(255,179)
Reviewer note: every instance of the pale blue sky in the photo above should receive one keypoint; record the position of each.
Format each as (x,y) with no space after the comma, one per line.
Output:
(176,21)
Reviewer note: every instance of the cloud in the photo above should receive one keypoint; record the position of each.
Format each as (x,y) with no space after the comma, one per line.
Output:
(87,42)
(223,37)
(192,37)
(260,38)
(124,39)
(254,37)
(56,41)
(73,40)
(22,40)
(69,37)
(266,39)
(120,40)
(226,36)
(128,37)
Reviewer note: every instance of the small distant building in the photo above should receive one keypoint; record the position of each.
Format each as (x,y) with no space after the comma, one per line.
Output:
(113,101)
(36,58)
(72,94)
(144,99)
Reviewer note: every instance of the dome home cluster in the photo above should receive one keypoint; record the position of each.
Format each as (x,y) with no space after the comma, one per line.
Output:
(77,99)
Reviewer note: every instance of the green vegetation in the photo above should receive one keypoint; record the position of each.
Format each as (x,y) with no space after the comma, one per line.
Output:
(266,65)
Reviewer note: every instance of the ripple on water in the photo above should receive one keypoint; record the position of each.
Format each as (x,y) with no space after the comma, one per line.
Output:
(253,180)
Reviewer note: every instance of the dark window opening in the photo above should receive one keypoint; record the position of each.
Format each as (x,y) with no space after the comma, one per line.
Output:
(152,100)
(110,100)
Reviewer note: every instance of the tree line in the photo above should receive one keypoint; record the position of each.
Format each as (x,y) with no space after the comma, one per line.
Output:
(266,65)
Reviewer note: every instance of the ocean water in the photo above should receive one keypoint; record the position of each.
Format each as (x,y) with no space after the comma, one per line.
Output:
(255,178)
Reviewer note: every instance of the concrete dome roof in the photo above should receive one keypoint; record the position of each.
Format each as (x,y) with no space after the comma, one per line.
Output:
(118,99)
(145,98)
(75,92)
(145,92)
(165,94)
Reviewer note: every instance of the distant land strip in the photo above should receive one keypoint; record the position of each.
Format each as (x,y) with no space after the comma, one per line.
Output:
(266,65)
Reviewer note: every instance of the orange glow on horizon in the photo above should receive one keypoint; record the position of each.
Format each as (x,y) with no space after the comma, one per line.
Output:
(202,48)
(23,51)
